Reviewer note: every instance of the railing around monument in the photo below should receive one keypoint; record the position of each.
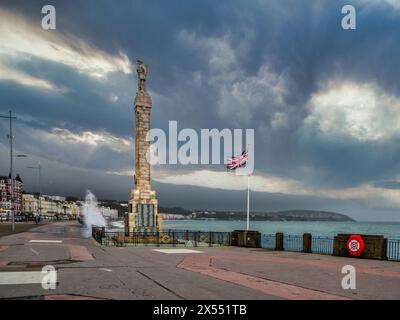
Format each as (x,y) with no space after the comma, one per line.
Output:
(98,233)
(166,238)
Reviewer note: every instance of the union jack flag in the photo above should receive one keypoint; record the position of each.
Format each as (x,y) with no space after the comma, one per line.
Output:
(238,161)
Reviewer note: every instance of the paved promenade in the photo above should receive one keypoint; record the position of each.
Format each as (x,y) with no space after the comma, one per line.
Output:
(87,271)
(5,227)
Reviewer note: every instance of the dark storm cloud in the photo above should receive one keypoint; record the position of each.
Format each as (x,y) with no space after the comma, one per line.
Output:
(300,43)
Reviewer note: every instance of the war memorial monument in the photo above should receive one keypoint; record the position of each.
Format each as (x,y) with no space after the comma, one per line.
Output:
(143,214)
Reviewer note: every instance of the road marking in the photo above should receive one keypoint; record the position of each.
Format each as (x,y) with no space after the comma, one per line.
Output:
(105,269)
(45,241)
(177,251)
(27,277)
(35,252)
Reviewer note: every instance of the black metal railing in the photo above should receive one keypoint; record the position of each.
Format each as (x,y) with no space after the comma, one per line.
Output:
(166,238)
(322,245)
(268,241)
(393,249)
(319,244)
(190,238)
(98,234)
(293,243)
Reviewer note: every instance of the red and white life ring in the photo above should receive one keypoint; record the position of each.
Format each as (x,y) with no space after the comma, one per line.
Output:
(355,245)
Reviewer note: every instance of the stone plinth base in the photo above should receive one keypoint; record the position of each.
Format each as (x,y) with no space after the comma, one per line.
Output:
(375,247)
(246,238)
(143,212)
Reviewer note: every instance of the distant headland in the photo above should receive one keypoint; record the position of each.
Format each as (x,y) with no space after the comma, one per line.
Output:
(288,215)
(178,213)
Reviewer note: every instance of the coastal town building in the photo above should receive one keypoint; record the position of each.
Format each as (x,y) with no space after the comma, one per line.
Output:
(5,195)
(45,205)
(49,206)
(57,198)
(171,216)
(29,203)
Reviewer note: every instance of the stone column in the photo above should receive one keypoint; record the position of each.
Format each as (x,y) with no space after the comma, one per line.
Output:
(142,120)
(142,197)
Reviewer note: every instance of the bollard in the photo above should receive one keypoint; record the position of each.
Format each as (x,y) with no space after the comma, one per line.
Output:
(279,241)
(307,240)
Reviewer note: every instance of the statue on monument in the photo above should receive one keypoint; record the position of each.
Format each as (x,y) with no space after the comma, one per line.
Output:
(142,74)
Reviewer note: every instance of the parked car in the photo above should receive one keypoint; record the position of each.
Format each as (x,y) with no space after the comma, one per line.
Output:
(19,218)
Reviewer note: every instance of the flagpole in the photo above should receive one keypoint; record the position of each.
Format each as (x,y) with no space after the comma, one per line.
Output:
(248,202)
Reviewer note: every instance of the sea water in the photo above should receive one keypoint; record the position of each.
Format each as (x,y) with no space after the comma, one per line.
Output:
(316,228)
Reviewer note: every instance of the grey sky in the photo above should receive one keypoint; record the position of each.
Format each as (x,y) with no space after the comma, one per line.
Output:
(324,102)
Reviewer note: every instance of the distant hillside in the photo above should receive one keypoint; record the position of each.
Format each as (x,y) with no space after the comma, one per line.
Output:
(288,215)
(307,215)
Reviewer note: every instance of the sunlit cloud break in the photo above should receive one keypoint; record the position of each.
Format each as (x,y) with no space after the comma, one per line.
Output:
(361,111)
(374,196)
(27,80)
(94,139)
(21,37)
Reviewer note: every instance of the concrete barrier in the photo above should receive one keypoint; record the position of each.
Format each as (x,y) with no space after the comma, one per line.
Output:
(307,240)
(246,238)
(279,241)
(375,246)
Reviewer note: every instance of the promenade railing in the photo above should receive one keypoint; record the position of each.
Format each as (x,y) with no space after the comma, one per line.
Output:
(393,250)
(293,243)
(188,238)
(316,244)
(166,238)
(322,245)
(268,241)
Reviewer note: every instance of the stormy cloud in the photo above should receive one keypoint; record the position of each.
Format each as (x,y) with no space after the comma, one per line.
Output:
(324,102)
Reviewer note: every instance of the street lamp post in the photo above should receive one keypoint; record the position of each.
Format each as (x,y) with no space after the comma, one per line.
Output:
(12,193)
(39,168)
(10,136)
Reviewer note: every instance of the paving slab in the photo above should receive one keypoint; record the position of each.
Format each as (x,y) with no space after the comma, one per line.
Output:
(86,270)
